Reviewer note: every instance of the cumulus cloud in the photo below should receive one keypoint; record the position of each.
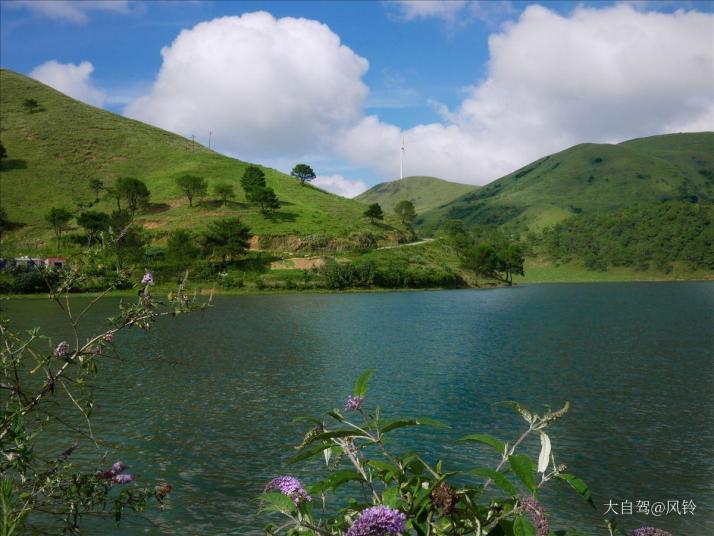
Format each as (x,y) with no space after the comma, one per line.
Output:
(70,79)
(599,75)
(263,86)
(339,185)
(72,11)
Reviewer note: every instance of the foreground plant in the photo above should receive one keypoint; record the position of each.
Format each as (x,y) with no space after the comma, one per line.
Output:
(37,376)
(385,493)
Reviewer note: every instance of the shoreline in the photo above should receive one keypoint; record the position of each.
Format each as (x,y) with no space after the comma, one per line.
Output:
(207,291)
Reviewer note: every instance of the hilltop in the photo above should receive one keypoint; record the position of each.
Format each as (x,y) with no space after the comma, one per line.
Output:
(425,192)
(586,179)
(55,151)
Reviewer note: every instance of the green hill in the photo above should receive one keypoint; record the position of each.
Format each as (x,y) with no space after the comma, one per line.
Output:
(425,192)
(589,179)
(53,153)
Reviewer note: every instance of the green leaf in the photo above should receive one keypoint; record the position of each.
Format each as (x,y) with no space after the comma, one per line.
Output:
(334,481)
(389,469)
(390,497)
(276,502)
(578,485)
(523,527)
(492,442)
(336,415)
(522,466)
(309,453)
(385,427)
(498,478)
(361,383)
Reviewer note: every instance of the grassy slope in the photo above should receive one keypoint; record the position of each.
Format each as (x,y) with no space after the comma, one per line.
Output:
(53,153)
(425,192)
(589,177)
(542,271)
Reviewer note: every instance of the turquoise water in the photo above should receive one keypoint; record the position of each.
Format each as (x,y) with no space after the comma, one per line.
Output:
(206,402)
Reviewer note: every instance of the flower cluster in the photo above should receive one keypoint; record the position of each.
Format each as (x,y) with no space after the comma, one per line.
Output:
(62,349)
(649,531)
(354,403)
(537,514)
(378,521)
(444,498)
(290,486)
(108,336)
(115,474)
(148,278)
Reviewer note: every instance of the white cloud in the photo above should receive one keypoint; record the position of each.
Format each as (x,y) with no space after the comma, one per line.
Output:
(70,79)
(453,12)
(339,185)
(426,9)
(263,86)
(598,75)
(72,11)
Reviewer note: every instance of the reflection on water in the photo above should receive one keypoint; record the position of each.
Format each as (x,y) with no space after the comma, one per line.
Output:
(206,402)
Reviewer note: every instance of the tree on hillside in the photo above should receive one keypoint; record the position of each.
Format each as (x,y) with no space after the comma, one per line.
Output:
(58,218)
(253,177)
(405,210)
(266,199)
(494,260)
(180,248)
(93,223)
(113,193)
(192,186)
(303,172)
(3,151)
(374,212)
(128,239)
(96,186)
(224,191)
(31,105)
(4,222)
(133,191)
(226,238)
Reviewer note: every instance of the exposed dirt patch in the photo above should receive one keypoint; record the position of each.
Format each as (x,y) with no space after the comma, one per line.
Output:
(254,243)
(151,224)
(117,157)
(298,263)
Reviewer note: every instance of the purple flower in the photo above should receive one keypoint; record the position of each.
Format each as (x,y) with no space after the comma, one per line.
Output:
(108,336)
(354,403)
(148,278)
(62,349)
(649,531)
(290,486)
(122,479)
(537,514)
(118,467)
(378,521)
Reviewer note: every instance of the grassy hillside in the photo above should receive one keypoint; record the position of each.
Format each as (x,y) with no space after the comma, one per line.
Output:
(425,192)
(54,152)
(589,178)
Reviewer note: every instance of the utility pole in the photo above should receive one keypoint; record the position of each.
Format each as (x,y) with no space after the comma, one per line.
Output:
(401,160)
(193,142)
(209,138)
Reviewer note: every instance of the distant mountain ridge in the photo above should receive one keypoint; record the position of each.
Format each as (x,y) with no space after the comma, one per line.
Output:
(425,192)
(588,178)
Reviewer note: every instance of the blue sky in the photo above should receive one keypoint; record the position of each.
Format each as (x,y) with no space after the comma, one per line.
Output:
(477,89)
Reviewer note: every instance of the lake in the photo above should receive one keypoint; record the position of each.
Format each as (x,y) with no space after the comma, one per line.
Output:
(206,401)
